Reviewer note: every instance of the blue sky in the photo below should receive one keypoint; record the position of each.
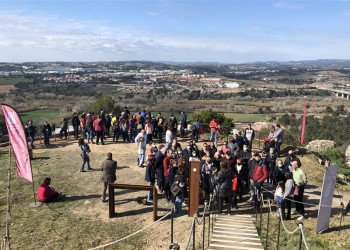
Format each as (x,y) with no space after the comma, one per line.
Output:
(191,31)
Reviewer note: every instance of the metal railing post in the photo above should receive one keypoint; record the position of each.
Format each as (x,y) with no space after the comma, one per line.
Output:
(267,230)
(172,225)
(203,230)
(194,235)
(209,226)
(278,235)
(261,199)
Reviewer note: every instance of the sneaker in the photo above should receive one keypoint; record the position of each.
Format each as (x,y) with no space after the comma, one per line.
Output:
(149,201)
(250,199)
(294,212)
(301,218)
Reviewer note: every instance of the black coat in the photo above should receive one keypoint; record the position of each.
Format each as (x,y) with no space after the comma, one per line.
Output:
(224,181)
(279,173)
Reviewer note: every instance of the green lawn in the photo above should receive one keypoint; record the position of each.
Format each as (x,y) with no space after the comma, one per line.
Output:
(13,80)
(251,117)
(39,116)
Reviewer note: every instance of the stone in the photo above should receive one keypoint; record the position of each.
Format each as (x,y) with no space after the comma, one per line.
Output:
(320,145)
(347,152)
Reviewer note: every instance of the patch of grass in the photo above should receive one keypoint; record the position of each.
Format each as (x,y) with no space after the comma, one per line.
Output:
(58,225)
(14,80)
(237,117)
(39,116)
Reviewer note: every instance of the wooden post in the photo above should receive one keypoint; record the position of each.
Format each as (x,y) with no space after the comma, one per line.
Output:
(111,200)
(194,188)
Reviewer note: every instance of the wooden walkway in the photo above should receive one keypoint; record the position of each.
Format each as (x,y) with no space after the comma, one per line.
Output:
(235,232)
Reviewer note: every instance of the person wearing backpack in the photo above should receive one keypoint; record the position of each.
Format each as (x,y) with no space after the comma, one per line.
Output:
(84,153)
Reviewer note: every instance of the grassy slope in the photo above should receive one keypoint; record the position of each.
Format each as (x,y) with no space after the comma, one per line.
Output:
(55,226)
(39,116)
(327,240)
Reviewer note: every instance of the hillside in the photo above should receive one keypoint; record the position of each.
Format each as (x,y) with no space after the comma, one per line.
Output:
(80,220)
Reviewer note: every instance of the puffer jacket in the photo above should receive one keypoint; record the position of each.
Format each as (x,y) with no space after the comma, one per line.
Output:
(260,173)
(224,181)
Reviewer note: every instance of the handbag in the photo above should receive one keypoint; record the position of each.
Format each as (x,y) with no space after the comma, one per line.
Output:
(296,190)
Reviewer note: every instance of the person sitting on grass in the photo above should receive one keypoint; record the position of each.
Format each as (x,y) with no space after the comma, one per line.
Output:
(46,193)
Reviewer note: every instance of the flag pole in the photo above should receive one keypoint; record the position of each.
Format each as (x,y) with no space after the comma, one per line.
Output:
(8,211)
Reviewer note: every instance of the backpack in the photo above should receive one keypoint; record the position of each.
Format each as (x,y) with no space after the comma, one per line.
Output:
(175,189)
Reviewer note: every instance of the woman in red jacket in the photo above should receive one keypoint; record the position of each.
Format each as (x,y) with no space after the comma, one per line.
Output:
(46,193)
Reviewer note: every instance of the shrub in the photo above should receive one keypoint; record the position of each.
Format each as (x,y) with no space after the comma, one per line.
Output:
(206,116)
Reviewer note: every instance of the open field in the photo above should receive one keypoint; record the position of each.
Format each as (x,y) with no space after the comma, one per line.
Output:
(4,89)
(39,116)
(13,80)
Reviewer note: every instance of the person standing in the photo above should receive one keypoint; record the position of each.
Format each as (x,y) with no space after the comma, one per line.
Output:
(64,128)
(150,177)
(195,130)
(214,129)
(183,123)
(300,180)
(90,129)
(278,138)
(224,181)
(249,135)
(160,127)
(84,153)
(82,126)
(160,170)
(108,168)
(46,130)
(99,129)
(290,158)
(288,196)
(149,130)
(168,137)
(260,174)
(75,124)
(141,145)
(31,132)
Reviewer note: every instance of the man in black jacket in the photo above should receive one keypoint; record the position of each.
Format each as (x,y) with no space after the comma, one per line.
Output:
(183,123)
(75,124)
(290,158)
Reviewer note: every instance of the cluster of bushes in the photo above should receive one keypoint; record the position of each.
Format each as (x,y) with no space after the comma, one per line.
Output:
(258,94)
(338,157)
(206,116)
(332,126)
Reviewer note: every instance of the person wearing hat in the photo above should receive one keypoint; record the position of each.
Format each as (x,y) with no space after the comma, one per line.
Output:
(259,175)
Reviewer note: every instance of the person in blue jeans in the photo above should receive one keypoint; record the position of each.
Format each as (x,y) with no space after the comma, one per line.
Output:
(279,195)
(180,181)
(150,177)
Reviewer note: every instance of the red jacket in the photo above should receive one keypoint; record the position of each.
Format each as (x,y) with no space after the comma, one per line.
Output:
(234,183)
(45,191)
(260,173)
(166,163)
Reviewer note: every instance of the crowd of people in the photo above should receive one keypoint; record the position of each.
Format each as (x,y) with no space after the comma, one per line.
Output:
(226,172)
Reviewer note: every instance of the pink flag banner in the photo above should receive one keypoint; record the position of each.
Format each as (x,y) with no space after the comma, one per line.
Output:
(303,127)
(18,142)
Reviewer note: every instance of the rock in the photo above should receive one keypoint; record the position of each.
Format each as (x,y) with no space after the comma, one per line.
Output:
(87,202)
(320,145)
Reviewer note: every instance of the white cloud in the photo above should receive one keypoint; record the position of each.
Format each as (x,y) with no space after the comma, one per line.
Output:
(48,38)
